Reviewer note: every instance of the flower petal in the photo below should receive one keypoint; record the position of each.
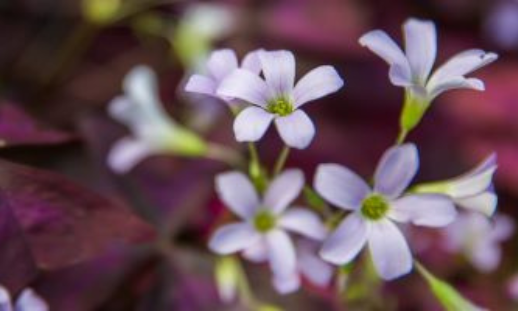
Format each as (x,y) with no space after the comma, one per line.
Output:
(257,252)
(251,124)
(346,241)
(396,169)
(279,71)
(201,84)
(251,62)
(421,47)
(238,193)
(127,153)
(221,63)
(5,299)
(474,182)
(453,83)
(283,190)
(140,84)
(233,238)
(304,222)
(30,301)
(381,44)
(286,285)
(246,86)
(296,129)
(281,253)
(312,267)
(340,186)
(390,252)
(317,83)
(430,210)
(484,203)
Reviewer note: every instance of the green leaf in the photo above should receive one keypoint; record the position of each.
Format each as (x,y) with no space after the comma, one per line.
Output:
(448,296)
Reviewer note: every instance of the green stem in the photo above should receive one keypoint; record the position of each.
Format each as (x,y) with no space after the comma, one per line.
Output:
(254,155)
(401,136)
(224,154)
(281,160)
(245,293)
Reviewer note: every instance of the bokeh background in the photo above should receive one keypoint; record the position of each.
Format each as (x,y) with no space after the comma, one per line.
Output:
(87,239)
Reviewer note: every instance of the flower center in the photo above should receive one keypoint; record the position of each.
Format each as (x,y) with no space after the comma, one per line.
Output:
(280,106)
(374,207)
(264,221)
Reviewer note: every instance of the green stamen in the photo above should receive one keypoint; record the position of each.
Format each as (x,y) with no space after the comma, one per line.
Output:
(264,221)
(280,106)
(374,207)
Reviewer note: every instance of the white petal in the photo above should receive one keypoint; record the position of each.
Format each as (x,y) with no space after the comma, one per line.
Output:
(30,301)
(312,267)
(238,193)
(389,249)
(251,124)
(251,62)
(221,63)
(296,129)
(471,183)
(381,44)
(430,210)
(286,284)
(346,241)
(281,253)
(484,203)
(486,256)
(453,83)
(127,153)
(257,252)
(5,299)
(233,238)
(283,190)
(201,84)
(246,86)
(340,186)
(317,83)
(421,47)
(304,222)
(396,169)
(140,84)
(503,227)
(279,71)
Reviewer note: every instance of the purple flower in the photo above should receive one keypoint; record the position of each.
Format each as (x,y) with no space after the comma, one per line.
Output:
(278,98)
(262,234)
(374,211)
(27,301)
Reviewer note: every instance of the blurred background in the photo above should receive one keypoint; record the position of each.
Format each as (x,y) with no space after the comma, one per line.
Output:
(62,61)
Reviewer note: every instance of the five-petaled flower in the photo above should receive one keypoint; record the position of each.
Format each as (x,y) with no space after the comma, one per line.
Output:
(473,190)
(375,210)
(28,300)
(263,232)
(220,64)
(152,131)
(277,97)
(479,238)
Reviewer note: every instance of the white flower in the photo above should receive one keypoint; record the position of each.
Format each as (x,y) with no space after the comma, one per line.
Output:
(479,238)
(412,69)
(263,232)
(278,98)
(220,65)
(28,300)
(375,210)
(152,131)
(473,190)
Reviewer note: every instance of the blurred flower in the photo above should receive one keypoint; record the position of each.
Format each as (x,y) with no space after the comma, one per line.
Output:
(473,190)
(27,301)
(263,233)
(375,210)
(277,97)
(502,24)
(311,266)
(512,287)
(479,238)
(220,65)
(152,131)
(227,278)
(412,69)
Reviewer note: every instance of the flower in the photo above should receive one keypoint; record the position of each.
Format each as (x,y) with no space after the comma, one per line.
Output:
(479,238)
(27,301)
(412,69)
(152,131)
(473,190)
(375,210)
(220,65)
(278,98)
(262,234)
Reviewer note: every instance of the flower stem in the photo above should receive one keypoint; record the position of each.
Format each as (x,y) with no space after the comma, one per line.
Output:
(224,154)
(281,160)
(401,136)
